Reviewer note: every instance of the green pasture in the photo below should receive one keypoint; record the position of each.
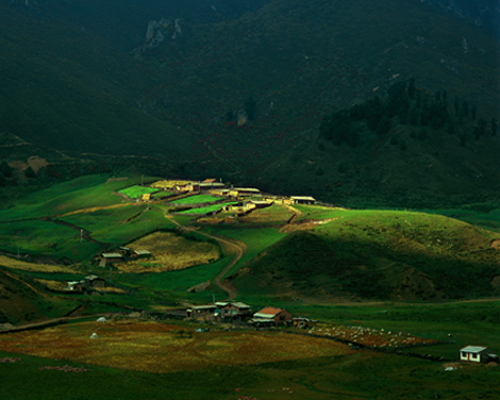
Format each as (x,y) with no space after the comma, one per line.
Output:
(118,226)
(256,240)
(160,194)
(45,238)
(102,382)
(174,284)
(319,212)
(204,210)
(197,199)
(384,376)
(384,248)
(484,217)
(272,215)
(85,192)
(136,191)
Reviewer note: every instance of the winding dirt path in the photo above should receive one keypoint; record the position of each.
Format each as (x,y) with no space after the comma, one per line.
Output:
(238,247)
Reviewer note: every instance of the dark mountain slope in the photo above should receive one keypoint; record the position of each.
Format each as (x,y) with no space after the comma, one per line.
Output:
(124,22)
(64,88)
(254,89)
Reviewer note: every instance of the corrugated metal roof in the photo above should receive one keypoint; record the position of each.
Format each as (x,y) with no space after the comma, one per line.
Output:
(268,312)
(203,307)
(305,198)
(112,255)
(473,349)
(239,304)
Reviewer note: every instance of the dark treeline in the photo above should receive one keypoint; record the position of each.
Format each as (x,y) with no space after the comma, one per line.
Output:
(404,104)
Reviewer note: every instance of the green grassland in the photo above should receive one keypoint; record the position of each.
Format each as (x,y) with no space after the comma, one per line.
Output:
(197,199)
(410,264)
(46,238)
(85,192)
(122,225)
(380,254)
(134,192)
(205,210)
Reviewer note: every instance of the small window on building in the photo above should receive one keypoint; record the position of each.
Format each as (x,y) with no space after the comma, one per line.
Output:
(282,317)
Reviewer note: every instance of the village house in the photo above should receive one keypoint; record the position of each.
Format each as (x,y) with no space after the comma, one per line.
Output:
(203,312)
(110,258)
(244,192)
(477,354)
(300,200)
(261,204)
(95,281)
(142,253)
(232,311)
(269,316)
(77,286)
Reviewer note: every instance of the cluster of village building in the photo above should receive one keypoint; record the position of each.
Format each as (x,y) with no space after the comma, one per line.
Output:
(234,312)
(211,186)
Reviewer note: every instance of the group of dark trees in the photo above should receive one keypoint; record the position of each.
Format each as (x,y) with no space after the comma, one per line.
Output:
(404,104)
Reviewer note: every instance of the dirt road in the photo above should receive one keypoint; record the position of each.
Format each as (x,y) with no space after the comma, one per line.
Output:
(238,247)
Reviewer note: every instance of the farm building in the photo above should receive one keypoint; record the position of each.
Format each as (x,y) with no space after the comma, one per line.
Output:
(239,208)
(95,281)
(244,192)
(205,312)
(77,286)
(142,253)
(219,192)
(271,316)
(233,311)
(110,258)
(477,354)
(300,200)
(211,186)
(261,204)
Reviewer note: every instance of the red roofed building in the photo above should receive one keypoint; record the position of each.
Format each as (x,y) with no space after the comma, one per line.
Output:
(272,316)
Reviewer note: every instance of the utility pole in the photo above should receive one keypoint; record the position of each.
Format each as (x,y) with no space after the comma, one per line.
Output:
(81,235)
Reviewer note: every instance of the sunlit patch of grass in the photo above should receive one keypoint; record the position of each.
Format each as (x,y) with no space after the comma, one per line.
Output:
(137,191)
(170,252)
(197,199)
(26,266)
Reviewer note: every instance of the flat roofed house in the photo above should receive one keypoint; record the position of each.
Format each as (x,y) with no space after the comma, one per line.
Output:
(232,310)
(272,315)
(110,258)
(95,281)
(77,286)
(244,192)
(477,354)
(206,312)
(303,200)
(142,253)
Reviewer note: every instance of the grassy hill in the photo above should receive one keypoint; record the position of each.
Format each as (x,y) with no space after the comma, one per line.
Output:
(378,255)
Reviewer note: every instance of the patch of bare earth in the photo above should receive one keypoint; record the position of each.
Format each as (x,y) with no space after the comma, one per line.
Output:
(306,224)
